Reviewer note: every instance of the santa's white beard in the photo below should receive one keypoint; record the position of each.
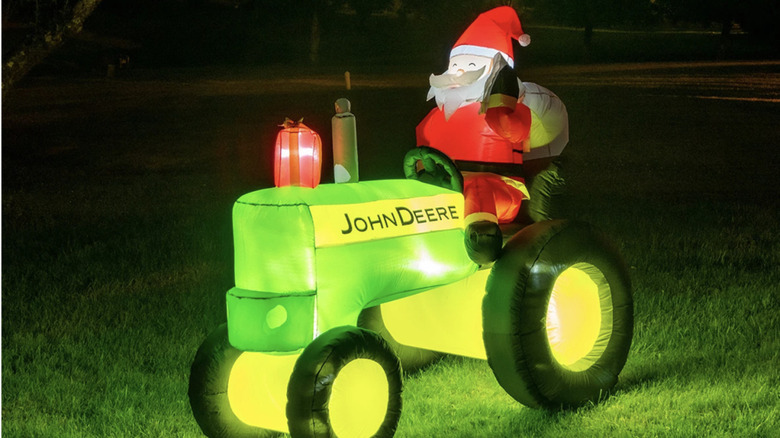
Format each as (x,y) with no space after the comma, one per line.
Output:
(450,98)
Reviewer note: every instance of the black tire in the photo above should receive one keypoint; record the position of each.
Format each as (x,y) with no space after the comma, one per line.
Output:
(209,377)
(437,168)
(319,368)
(516,320)
(412,359)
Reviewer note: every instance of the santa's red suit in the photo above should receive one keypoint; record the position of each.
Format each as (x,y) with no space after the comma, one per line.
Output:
(494,137)
(485,126)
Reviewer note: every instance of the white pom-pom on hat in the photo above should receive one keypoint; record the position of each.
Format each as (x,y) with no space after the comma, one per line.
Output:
(524,39)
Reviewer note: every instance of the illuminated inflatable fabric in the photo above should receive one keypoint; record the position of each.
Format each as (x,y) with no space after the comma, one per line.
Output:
(518,343)
(468,136)
(546,188)
(309,407)
(549,135)
(329,353)
(469,139)
(412,358)
(208,389)
(293,245)
(437,168)
(483,191)
(226,395)
(549,132)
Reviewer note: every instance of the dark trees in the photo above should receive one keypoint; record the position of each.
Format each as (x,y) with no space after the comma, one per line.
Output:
(758,17)
(589,14)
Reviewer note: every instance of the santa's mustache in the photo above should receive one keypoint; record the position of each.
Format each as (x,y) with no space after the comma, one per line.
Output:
(451,97)
(451,80)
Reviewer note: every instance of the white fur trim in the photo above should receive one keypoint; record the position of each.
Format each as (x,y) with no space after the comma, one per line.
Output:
(466,49)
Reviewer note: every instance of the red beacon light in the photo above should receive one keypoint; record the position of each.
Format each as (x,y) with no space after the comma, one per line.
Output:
(297,156)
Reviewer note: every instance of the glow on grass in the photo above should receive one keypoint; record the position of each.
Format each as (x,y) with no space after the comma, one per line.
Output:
(359,398)
(579,317)
(257,389)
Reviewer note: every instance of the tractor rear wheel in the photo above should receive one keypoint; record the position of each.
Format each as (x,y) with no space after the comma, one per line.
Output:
(558,315)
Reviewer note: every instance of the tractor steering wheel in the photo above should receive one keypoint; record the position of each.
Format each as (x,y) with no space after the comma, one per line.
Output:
(437,168)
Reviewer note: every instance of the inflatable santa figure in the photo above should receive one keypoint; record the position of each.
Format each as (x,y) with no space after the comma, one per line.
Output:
(482,124)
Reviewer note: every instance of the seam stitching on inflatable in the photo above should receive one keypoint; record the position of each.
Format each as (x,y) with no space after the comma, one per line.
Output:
(336,245)
(254,204)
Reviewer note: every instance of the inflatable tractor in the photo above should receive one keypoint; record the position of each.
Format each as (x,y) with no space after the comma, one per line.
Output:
(340,287)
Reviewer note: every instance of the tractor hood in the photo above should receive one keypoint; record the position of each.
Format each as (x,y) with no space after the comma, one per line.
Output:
(350,245)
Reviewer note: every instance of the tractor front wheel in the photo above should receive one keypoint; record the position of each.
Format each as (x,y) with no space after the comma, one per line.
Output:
(346,383)
(208,391)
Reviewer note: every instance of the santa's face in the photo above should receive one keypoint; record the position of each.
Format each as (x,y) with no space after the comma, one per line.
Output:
(463,83)
(460,64)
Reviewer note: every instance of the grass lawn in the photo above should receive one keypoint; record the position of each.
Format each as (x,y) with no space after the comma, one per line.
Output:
(117,246)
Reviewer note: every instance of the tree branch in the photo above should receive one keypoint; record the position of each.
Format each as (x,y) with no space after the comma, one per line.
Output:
(39,46)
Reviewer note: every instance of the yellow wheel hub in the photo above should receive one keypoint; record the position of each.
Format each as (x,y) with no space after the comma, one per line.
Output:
(579,317)
(358,400)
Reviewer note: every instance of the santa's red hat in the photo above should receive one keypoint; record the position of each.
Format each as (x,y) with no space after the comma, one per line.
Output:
(492,32)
